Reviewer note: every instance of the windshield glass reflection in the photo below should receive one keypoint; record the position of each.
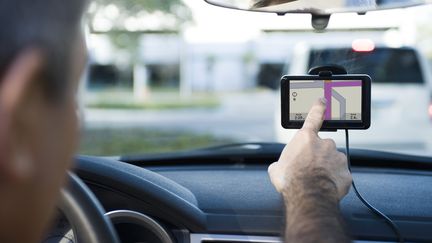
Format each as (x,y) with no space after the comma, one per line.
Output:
(177,76)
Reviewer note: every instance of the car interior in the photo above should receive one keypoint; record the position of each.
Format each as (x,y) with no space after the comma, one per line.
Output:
(223,193)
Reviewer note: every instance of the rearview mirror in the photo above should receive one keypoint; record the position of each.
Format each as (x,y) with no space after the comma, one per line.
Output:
(316,7)
(321,10)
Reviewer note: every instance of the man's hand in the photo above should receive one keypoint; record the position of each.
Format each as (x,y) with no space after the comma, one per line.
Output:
(308,155)
(312,177)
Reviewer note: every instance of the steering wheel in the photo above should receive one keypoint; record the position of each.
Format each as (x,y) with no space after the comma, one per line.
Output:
(85,213)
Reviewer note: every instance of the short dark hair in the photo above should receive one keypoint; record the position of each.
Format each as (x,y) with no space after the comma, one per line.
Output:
(49,25)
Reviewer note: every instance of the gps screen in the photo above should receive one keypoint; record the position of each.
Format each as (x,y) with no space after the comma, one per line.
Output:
(344,98)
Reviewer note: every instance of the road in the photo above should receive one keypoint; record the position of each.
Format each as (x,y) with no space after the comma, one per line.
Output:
(244,117)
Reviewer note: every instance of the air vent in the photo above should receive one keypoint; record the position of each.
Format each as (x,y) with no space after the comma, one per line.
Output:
(230,241)
(218,238)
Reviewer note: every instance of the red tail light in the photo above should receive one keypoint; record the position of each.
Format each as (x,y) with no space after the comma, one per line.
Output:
(363,45)
(430,111)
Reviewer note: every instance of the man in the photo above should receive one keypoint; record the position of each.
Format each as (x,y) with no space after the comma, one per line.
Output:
(42,55)
(312,177)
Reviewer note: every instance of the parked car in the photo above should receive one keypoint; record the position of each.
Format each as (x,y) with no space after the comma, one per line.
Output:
(401,93)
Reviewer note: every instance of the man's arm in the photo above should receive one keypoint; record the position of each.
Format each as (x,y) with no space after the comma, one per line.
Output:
(312,210)
(312,177)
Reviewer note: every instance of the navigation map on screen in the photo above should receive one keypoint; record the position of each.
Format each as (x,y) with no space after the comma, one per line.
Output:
(343,98)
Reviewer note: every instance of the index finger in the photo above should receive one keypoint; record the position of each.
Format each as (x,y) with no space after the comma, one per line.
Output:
(315,117)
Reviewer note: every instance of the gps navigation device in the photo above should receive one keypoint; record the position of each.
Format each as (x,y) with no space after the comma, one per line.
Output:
(348,100)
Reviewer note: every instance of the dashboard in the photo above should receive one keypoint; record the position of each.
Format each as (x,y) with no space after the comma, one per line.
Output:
(232,200)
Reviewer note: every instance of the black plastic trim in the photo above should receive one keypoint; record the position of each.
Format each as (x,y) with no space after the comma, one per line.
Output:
(266,153)
(147,186)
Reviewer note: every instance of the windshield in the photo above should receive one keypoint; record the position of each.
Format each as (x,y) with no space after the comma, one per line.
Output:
(178,75)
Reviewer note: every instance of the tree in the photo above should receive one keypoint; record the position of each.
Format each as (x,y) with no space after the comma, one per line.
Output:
(124,22)
(134,15)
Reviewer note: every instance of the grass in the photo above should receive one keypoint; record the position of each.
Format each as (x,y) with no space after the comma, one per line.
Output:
(168,105)
(155,100)
(109,142)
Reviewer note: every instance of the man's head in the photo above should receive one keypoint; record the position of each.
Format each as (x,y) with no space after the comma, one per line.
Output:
(42,55)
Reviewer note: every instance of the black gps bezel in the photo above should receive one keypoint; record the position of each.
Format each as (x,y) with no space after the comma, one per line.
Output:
(328,125)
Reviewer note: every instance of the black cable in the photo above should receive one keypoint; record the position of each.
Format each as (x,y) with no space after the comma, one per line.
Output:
(392,225)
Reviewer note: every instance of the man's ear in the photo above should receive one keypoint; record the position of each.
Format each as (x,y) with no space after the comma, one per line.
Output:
(17,80)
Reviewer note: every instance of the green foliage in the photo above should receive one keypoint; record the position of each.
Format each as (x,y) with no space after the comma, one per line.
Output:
(175,9)
(128,141)
(135,6)
(171,14)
